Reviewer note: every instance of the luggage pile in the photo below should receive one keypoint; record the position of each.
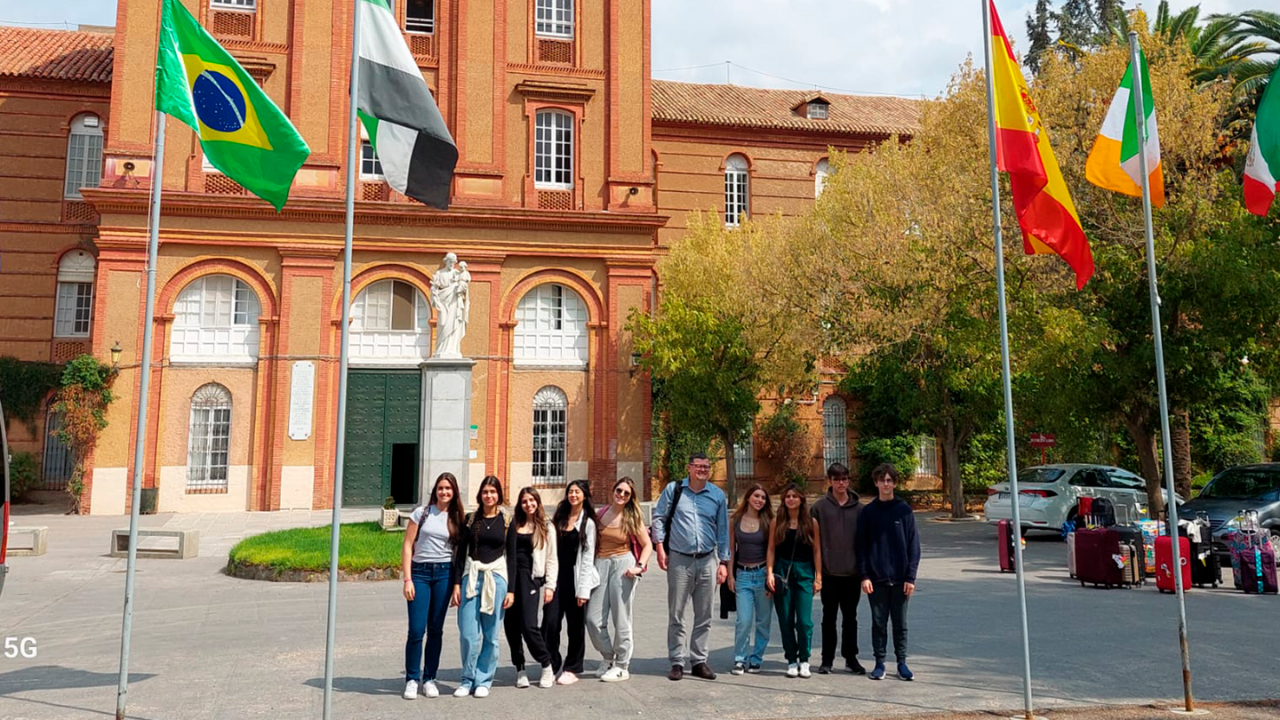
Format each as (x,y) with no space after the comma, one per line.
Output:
(1103,553)
(1253,557)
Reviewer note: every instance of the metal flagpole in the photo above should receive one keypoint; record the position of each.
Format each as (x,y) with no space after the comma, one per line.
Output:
(139,444)
(1010,447)
(353,144)
(1140,117)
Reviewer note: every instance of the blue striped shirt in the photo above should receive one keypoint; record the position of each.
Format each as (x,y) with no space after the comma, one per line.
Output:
(700,524)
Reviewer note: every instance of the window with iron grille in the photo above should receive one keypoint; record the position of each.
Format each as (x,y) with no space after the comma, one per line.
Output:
(835,443)
(84,155)
(550,429)
(73,308)
(820,174)
(370,165)
(553,150)
(235,4)
(551,327)
(555,18)
(735,190)
(208,448)
(744,457)
(927,455)
(420,16)
(215,320)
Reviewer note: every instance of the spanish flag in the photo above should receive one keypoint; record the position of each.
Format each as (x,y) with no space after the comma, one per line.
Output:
(1040,197)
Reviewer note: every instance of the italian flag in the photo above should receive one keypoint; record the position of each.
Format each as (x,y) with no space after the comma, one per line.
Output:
(1264,151)
(1114,163)
(404,125)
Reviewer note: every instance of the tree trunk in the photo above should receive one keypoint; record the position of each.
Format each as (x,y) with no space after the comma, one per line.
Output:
(1145,443)
(951,468)
(1180,440)
(730,469)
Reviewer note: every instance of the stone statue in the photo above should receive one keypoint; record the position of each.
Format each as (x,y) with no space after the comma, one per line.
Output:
(450,296)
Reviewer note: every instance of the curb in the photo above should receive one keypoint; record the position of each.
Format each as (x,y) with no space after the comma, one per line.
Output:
(250,571)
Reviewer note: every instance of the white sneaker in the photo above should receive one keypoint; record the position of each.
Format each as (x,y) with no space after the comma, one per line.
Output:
(430,690)
(522,680)
(548,677)
(616,674)
(804,670)
(482,692)
(566,678)
(602,668)
(462,691)
(411,690)
(793,670)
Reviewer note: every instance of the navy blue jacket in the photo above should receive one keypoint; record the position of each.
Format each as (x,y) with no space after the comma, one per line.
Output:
(888,547)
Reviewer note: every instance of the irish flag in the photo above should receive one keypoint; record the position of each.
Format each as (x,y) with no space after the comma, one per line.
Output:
(1114,163)
(1040,197)
(1263,165)
(404,125)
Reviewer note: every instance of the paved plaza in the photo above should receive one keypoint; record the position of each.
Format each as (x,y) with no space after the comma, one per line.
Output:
(207,646)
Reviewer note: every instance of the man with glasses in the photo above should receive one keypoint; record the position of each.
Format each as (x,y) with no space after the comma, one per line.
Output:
(888,557)
(691,532)
(837,516)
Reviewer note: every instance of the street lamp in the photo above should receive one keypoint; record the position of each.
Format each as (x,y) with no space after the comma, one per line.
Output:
(115,355)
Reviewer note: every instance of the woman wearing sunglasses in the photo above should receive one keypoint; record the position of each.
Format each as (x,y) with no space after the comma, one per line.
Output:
(621,556)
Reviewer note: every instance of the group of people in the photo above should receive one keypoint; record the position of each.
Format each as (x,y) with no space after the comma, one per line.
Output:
(574,570)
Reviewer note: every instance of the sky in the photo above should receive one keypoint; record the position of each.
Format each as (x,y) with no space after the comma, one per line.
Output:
(896,47)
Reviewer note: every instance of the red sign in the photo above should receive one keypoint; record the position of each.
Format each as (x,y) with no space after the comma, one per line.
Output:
(1043,440)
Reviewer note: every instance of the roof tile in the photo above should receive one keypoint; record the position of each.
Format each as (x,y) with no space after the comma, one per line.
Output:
(55,54)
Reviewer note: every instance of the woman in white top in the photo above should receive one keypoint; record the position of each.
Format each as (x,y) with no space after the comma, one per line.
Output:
(575,526)
(531,549)
(426,564)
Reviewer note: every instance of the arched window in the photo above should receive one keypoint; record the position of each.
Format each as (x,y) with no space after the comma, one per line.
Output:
(58,462)
(550,430)
(553,150)
(551,327)
(73,312)
(84,155)
(820,174)
(209,441)
(555,18)
(835,444)
(390,320)
(216,320)
(736,189)
(927,456)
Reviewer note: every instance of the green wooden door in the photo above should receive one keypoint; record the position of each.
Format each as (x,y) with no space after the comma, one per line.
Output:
(383,410)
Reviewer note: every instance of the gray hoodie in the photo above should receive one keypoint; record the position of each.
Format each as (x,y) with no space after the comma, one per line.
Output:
(839,526)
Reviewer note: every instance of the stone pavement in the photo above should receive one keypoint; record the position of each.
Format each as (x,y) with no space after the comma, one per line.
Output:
(206,646)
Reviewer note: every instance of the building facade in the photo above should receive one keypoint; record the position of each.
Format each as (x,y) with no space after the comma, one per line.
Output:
(576,172)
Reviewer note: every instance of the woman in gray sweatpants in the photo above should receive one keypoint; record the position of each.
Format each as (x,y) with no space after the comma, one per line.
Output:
(622,553)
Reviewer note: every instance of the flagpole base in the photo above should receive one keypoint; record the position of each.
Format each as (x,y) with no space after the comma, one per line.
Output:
(1188,713)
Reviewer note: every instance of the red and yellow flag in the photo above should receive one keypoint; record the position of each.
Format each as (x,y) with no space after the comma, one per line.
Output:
(1040,197)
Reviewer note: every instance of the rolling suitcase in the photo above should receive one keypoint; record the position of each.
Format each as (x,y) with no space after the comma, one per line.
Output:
(1206,566)
(1133,554)
(1071,554)
(1253,560)
(1164,563)
(1005,539)
(1103,511)
(1098,558)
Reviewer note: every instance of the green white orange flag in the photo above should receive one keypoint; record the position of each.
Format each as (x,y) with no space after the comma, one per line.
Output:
(1040,197)
(1263,165)
(1114,163)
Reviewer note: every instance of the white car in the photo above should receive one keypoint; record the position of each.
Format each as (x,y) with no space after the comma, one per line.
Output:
(1049,495)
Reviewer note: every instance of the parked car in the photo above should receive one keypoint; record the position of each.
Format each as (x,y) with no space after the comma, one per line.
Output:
(1049,494)
(1234,490)
(4,489)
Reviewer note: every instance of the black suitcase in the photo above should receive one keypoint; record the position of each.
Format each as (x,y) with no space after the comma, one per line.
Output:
(1206,566)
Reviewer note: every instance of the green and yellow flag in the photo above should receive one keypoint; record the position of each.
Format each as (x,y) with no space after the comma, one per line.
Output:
(241,131)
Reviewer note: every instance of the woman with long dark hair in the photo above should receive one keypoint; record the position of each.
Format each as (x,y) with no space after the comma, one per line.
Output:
(621,556)
(575,526)
(531,543)
(483,586)
(426,564)
(749,548)
(794,575)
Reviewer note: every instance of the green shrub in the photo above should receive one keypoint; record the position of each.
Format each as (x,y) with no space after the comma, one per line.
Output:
(872,451)
(24,473)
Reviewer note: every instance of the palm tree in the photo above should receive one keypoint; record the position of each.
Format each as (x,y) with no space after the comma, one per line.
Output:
(1258,30)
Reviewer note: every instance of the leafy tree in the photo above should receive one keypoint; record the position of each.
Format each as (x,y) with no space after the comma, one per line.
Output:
(1038,35)
(1077,27)
(782,440)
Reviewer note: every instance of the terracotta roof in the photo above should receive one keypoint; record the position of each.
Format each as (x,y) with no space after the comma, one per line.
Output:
(733,105)
(55,54)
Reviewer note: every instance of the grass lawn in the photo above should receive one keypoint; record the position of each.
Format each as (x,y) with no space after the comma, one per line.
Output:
(362,546)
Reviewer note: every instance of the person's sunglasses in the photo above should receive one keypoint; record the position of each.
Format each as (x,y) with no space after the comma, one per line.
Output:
(622,492)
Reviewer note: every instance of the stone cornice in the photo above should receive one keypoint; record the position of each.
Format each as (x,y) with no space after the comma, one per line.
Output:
(48,86)
(555,91)
(556,71)
(185,204)
(785,137)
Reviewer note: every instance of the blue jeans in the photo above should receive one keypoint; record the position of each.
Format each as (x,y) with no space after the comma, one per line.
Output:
(427,609)
(753,617)
(479,634)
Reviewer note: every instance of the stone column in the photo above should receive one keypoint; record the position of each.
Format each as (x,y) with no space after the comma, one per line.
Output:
(446,424)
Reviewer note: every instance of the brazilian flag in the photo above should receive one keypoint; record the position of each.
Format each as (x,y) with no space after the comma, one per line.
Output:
(241,131)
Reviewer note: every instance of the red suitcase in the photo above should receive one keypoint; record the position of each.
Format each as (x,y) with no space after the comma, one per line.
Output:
(1005,539)
(1164,563)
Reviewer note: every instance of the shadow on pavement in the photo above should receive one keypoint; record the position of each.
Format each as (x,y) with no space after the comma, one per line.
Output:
(57,677)
(360,685)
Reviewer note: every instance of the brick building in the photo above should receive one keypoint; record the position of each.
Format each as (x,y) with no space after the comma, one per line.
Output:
(561,239)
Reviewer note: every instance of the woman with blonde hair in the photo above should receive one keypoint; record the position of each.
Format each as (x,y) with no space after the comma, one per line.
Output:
(621,556)
(794,574)
(749,550)
(531,543)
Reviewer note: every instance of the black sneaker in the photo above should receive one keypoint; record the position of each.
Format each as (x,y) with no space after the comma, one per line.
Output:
(738,668)
(824,669)
(753,669)
(855,667)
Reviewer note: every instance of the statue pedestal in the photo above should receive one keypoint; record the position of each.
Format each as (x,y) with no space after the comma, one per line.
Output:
(446,424)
